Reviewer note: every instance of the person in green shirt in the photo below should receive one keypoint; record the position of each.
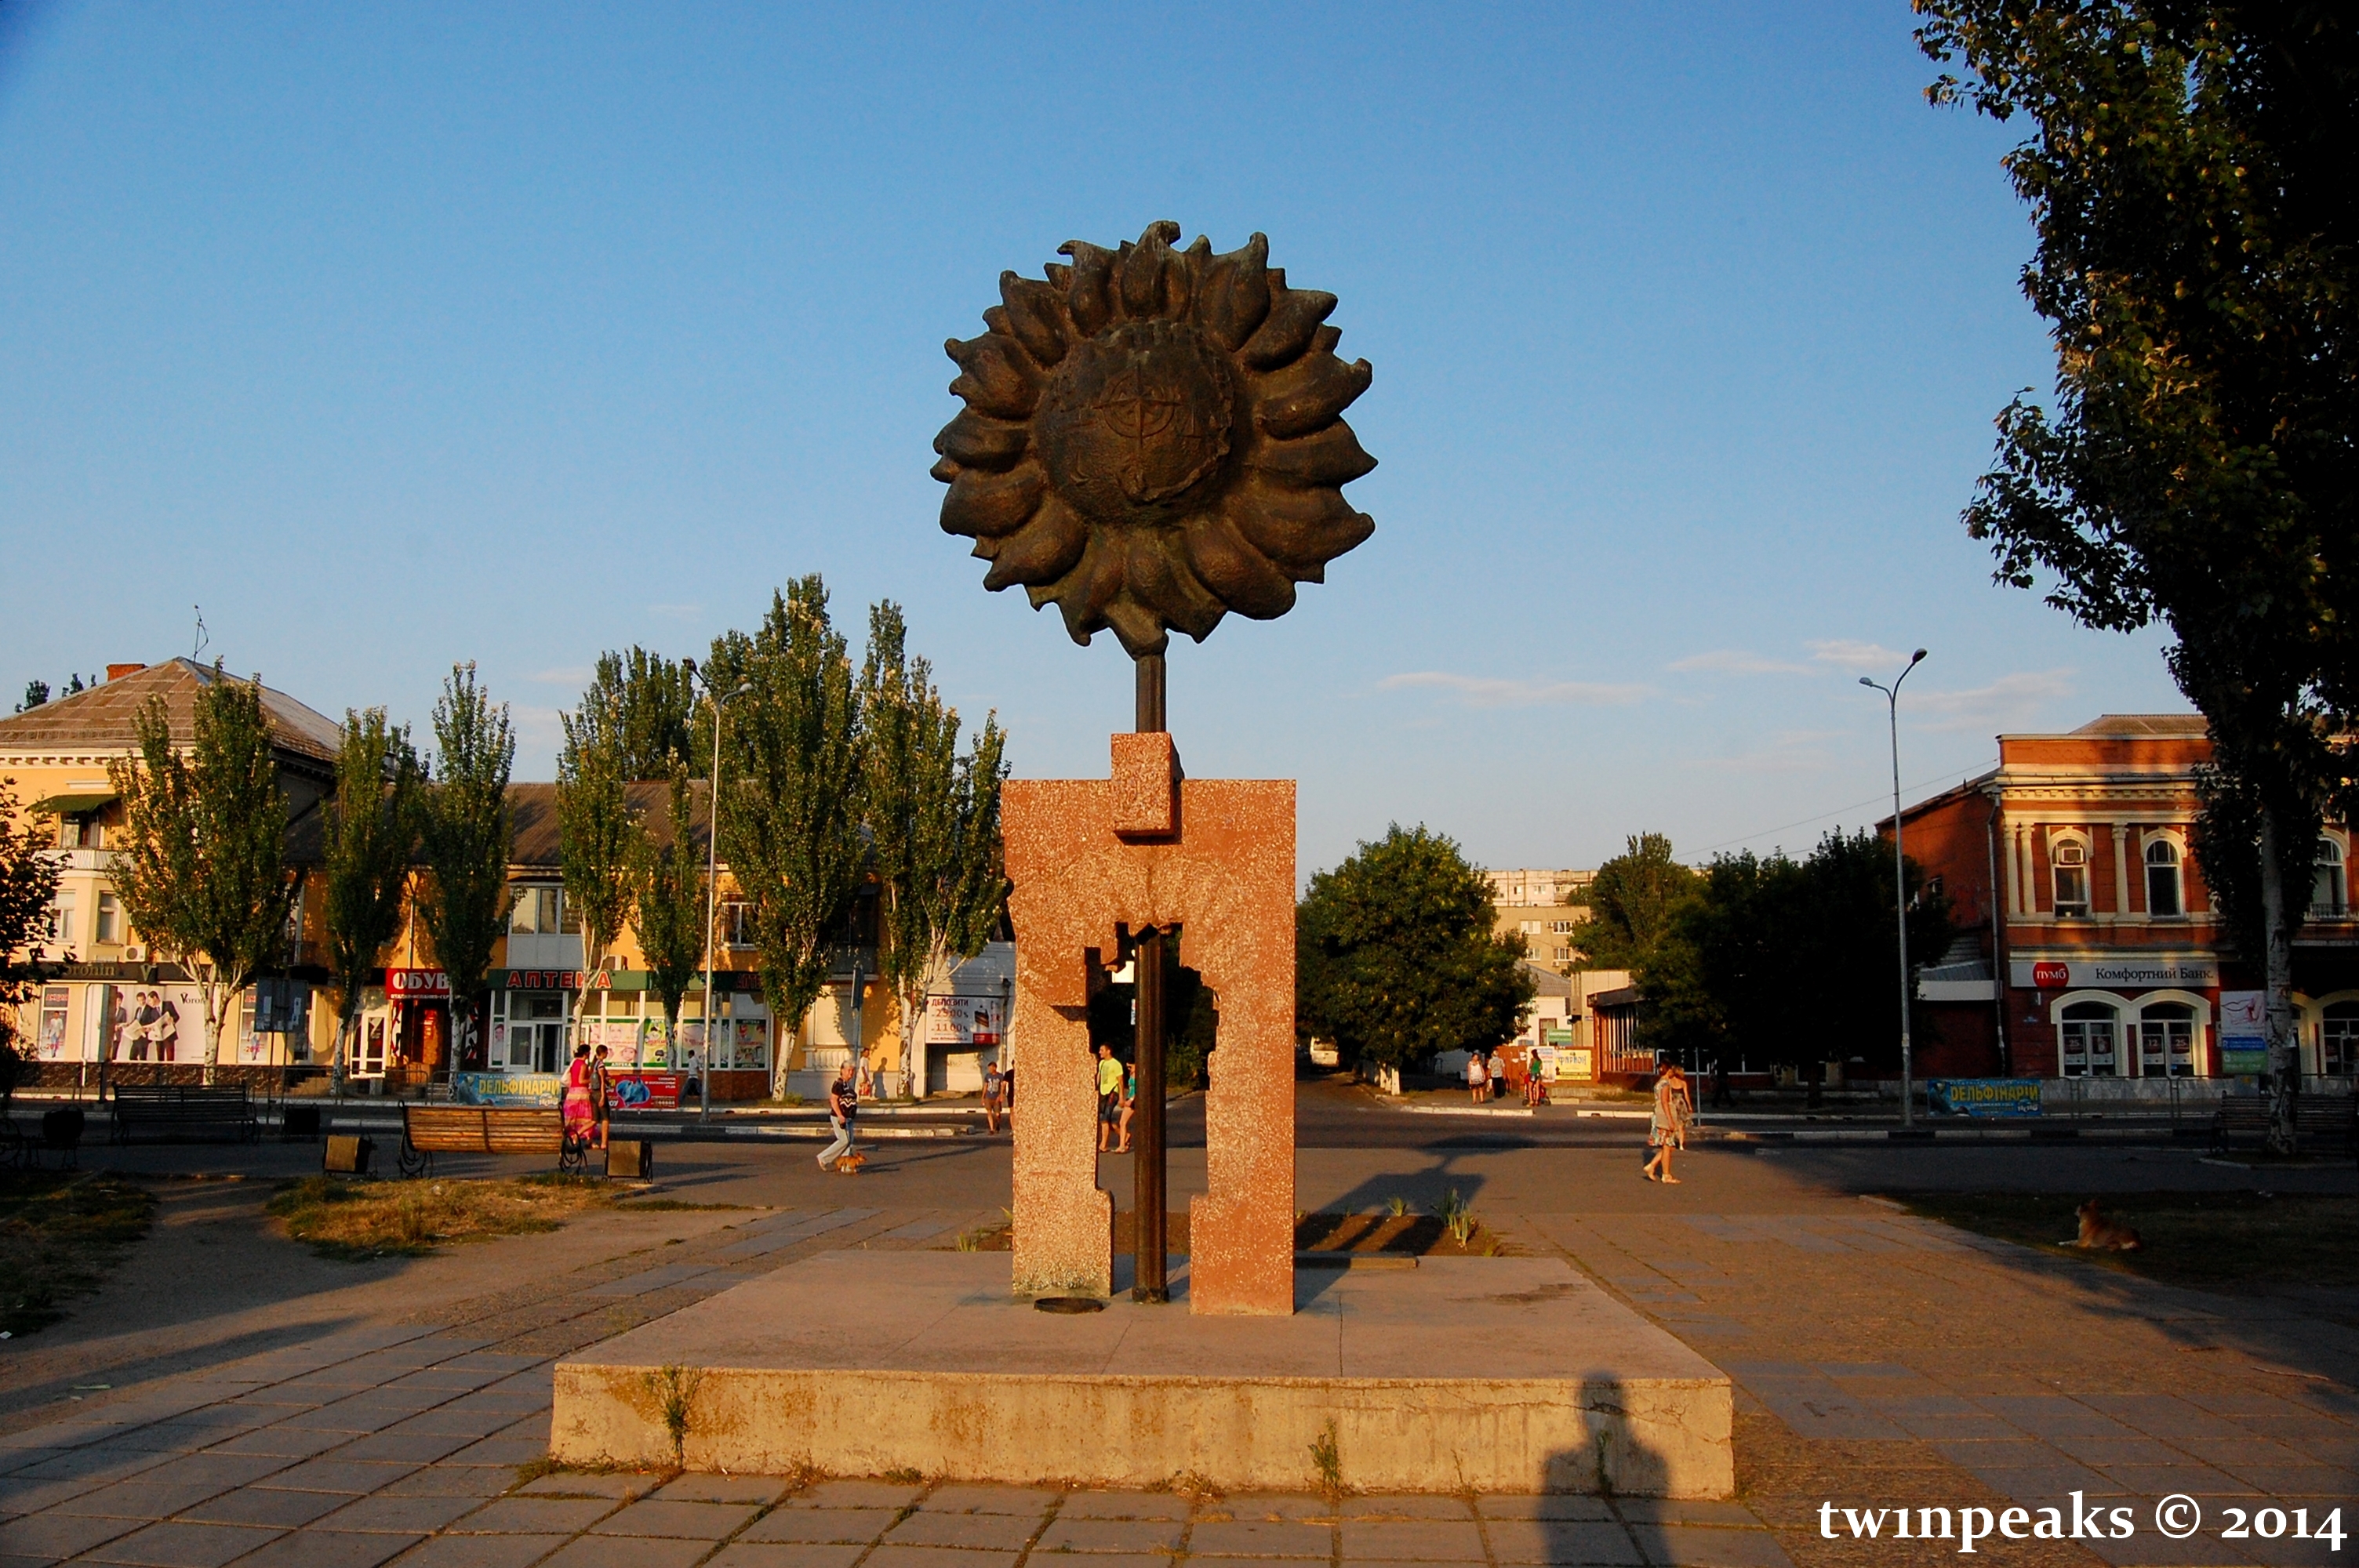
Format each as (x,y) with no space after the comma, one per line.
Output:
(1109,1097)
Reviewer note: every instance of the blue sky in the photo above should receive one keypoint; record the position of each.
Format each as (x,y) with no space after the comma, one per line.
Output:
(393,336)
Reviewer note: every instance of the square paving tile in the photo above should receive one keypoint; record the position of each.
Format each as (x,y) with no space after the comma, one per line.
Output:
(855,1495)
(482,1551)
(1556,1541)
(534,1515)
(987,1532)
(1548,1506)
(452,1481)
(336,1476)
(176,1545)
(224,1469)
(617,1552)
(1122,1505)
(1260,1538)
(317,1548)
(620,1485)
(821,1527)
(1404,1505)
(98,1463)
(1429,1540)
(502,1451)
(402,1516)
(1136,1535)
(414,1447)
(1270,1505)
(448,1423)
(739,1554)
(56,1536)
(1709,1546)
(253,1505)
(988,1500)
(682,1520)
(1674,1511)
(891,1556)
(287,1442)
(695,1489)
(140,1499)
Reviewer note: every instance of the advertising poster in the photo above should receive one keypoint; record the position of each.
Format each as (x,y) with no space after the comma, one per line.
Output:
(507,1088)
(157,1024)
(2244,1032)
(1982,1097)
(643,1091)
(964,1022)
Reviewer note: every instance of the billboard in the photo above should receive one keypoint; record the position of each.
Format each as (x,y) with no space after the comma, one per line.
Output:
(1982,1097)
(2244,1032)
(965,1022)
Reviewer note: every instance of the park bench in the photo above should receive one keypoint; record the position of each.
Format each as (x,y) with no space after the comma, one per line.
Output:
(205,1115)
(2320,1122)
(430,1130)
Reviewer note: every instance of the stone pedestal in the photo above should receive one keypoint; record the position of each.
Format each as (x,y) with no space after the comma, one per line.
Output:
(1092,859)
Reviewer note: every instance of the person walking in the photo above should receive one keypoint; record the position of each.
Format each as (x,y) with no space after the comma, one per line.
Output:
(581,1120)
(1129,1107)
(1109,1097)
(601,1088)
(994,1095)
(843,1111)
(1667,1129)
(1478,1077)
(1498,1072)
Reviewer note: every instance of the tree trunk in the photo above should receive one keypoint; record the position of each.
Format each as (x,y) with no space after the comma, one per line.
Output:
(347,1023)
(1818,1080)
(2284,1060)
(213,1033)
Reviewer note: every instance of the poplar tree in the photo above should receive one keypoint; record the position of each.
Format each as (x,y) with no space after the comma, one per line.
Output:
(200,867)
(933,826)
(790,814)
(469,837)
(670,880)
(372,827)
(28,885)
(597,831)
(652,701)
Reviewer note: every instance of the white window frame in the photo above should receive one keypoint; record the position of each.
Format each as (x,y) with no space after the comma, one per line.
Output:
(2173,864)
(2330,872)
(2057,865)
(2068,1030)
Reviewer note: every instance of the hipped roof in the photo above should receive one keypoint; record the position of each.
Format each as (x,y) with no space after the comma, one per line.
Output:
(102,718)
(534,806)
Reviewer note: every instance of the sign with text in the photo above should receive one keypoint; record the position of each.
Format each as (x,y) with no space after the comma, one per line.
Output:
(415,984)
(964,1022)
(643,1091)
(2138,973)
(507,1088)
(2244,1032)
(1982,1097)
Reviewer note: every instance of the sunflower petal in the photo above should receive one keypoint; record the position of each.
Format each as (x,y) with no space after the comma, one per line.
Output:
(1300,530)
(1141,270)
(1309,395)
(1235,295)
(973,440)
(985,504)
(1085,592)
(1328,458)
(1139,629)
(1036,317)
(1088,298)
(1233,569)
(1041,552)
(1157,576)
(1294,316)
(996,380)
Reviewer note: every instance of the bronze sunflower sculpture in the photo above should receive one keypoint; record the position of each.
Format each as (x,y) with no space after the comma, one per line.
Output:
(1154,438)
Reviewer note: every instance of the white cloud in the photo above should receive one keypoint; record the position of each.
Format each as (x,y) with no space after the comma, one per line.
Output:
(1489,691)
(1738,662)
(1845,654)
(2010,699)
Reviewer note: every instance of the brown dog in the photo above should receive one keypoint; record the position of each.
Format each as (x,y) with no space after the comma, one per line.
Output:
(2098,1234)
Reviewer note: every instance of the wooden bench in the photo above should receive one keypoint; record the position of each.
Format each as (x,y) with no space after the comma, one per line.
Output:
(219,1114)
(2320,1123)
(430,1130)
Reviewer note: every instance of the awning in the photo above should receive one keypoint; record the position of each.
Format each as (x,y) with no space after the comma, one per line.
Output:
(70,805)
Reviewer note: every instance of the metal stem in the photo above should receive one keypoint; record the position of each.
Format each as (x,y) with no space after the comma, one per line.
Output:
(1147,1183)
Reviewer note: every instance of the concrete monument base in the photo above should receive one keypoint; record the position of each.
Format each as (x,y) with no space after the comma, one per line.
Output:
(1498,1374)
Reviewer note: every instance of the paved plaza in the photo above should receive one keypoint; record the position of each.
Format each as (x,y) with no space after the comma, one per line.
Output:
(228,1397)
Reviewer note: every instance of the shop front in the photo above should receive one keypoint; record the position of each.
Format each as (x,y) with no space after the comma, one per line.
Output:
(2146,1016)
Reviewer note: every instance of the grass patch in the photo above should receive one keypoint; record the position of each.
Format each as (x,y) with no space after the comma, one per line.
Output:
(61,1231)
(359,1220)
(2214,1241)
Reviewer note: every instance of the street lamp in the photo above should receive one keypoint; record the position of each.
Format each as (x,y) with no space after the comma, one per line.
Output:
(1899,877)
(712,887)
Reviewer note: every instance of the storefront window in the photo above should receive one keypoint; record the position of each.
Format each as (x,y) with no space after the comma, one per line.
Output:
(2162,888)
(2166,1041)
(2338,1040)
(2087,1041)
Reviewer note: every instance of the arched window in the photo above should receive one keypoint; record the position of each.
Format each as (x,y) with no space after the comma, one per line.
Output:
(2328,900)
(2087,1043)
(2338,1040)
(2166,1040)
(2162,889)
(2069,859)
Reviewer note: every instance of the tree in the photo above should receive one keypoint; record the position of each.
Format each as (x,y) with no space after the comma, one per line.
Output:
(29,886)
(1396,958)
(373,827)
(597,830)
(2187,171)
(1632,904)
(469,837)
(201,865)
(932,817)
(650,701)
(37,692)
(789,818)
(670,882)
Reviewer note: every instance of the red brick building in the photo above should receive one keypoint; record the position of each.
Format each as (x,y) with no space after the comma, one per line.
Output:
(2095,949)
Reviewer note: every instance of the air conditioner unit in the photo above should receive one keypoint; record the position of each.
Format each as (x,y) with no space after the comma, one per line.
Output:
(134,955)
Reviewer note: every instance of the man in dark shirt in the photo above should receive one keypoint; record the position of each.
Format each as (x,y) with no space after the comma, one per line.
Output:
(842,1108)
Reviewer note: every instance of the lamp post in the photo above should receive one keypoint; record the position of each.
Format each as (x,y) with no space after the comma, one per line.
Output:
(1899,879)
(712,888)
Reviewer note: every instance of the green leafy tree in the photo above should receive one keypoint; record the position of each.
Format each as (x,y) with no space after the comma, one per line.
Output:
(2188,170)
(650,701)
(373,827)
(790,814)
(469,837)
(1633,904)
(932,817)
(201,867)
(28,885)
(1396,958)
(37,692)
(670,880)
(597,829)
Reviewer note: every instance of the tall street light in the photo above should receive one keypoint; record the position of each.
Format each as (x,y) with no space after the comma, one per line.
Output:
(1899,879)
(712,887)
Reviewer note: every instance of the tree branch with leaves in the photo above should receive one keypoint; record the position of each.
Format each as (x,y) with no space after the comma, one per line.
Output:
(469,837)
(373,830)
